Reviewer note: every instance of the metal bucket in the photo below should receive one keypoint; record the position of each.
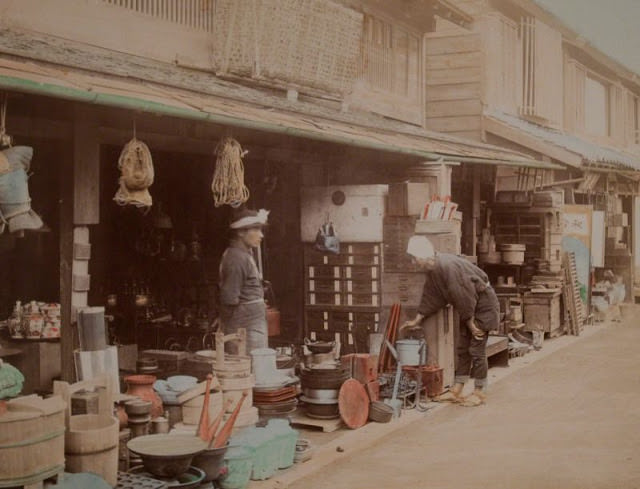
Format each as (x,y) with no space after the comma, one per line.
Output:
(409,352)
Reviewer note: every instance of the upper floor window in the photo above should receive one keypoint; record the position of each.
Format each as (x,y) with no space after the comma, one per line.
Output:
(523,69)
(596,107)
(390,78)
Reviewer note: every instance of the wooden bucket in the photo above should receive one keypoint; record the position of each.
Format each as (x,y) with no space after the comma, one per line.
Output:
(91,440)
(91,445)
(31,439)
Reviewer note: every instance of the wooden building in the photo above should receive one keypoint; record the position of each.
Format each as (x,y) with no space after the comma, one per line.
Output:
(335,93)
(520,79)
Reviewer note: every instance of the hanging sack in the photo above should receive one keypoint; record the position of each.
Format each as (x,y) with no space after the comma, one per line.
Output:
(15,202)
(136,175)
(327,239)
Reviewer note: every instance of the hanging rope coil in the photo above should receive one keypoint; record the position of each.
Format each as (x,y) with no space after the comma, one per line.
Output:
(136,174)
(228,178)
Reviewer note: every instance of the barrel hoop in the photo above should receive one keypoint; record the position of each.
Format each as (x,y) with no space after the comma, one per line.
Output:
(33,441)
(93,452)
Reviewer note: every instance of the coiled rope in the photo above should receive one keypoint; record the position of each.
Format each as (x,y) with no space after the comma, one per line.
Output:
(228,178)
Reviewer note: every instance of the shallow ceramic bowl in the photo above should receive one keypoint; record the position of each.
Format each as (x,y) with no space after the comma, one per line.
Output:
(167,455)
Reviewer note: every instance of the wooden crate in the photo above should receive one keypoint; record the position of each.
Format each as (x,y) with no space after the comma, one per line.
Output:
(361,272)
(396,233)
(542,312)
(355,299)
(402,288)
(324,285)
(327,298)
(323,271)
(408,199)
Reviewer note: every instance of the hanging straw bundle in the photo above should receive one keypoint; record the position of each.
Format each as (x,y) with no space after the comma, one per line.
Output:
(228,178)
(136,168)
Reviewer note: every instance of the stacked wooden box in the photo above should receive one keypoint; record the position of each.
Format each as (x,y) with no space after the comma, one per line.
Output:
(343,294)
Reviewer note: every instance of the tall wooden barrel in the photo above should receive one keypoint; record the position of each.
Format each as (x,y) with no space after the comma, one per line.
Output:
(31,440)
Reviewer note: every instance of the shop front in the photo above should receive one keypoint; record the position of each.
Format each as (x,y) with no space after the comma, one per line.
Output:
(139,276)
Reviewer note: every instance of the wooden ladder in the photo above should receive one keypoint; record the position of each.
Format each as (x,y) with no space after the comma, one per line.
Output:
(571,291)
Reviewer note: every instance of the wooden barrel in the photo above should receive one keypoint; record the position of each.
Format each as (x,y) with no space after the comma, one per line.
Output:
(91,445)
(31,439)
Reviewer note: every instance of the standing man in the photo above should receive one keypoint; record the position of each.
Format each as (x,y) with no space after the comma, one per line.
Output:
(451,279)
(241,291)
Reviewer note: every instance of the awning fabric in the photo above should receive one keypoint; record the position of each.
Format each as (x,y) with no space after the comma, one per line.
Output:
(89,87)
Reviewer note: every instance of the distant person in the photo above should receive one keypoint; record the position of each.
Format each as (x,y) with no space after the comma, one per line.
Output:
(241,291)
(451,279)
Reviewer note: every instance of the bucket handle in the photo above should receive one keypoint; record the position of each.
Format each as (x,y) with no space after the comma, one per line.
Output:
(102,383)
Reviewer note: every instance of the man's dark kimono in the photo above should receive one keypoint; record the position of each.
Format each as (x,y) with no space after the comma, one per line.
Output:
(456,281)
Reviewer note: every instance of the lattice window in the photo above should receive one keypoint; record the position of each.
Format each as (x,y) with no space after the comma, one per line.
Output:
(196,14)
(502,64)
(542,65)
(596,107)
(390,58)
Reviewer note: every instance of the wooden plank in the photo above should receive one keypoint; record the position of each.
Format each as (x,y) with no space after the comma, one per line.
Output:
(86,175)
(475,135)
(503,130)
(452,44)
(456,60)
(459,91)
(462,123)
(454,75)
(454,108)
(327,425)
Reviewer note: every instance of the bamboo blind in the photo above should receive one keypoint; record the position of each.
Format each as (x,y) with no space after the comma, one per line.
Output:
(196,14)
(312,43)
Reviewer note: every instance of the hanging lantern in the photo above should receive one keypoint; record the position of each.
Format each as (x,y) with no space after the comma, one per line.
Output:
(136,175)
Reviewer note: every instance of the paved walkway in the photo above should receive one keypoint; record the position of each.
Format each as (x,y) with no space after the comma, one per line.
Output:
(570,419)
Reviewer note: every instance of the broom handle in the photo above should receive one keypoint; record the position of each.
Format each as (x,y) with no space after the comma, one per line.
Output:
(203,424)
(225,432)
(216,422)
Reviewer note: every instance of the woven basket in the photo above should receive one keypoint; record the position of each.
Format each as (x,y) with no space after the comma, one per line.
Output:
(314,43)
(380,412)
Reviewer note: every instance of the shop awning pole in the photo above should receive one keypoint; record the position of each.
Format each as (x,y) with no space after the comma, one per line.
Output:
(136,104)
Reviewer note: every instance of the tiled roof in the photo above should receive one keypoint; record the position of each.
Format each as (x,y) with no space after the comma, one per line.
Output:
(591,153)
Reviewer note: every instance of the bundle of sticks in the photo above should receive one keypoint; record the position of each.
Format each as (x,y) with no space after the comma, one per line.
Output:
(385,360)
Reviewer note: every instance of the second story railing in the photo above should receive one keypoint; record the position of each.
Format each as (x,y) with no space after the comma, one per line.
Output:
(196,14)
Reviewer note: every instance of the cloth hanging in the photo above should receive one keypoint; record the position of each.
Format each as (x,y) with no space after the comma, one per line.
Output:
(15,202)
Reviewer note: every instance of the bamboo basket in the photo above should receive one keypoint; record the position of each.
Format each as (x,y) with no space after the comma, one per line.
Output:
(31,439)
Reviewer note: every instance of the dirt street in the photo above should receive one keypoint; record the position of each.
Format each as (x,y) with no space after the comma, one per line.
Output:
(569,420)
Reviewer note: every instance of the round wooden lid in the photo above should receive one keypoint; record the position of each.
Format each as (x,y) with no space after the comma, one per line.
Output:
(353,404)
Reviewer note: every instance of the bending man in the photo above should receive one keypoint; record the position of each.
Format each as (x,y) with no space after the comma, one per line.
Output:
(451,279)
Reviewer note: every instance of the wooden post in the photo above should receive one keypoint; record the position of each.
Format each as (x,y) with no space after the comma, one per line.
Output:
(86,176)
(475,210)
(80,203)
(66,260)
